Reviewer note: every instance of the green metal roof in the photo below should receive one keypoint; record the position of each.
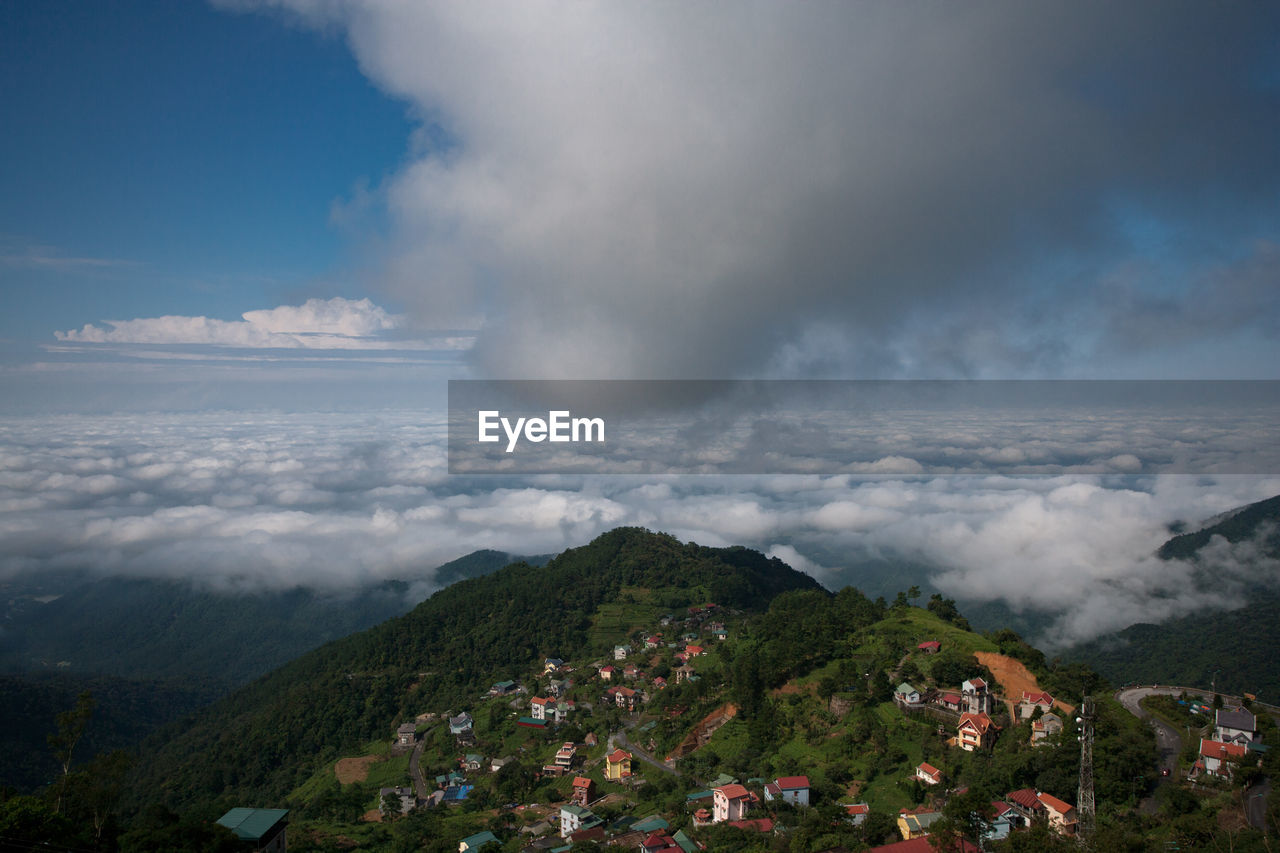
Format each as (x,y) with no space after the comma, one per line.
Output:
(252,824)
(475,842)
(650,824)
(684,842)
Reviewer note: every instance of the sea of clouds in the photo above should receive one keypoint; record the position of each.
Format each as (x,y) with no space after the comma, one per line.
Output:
(247,501)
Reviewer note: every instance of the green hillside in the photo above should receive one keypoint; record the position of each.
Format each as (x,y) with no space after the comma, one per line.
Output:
(1235,649)
(266,739)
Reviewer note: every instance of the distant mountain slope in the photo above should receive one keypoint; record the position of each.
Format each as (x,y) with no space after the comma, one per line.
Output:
(159,628)
(126,712)
(266,738)
(1236,648)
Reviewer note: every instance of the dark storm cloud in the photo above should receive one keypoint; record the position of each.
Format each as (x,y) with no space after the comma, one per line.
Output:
(686,190)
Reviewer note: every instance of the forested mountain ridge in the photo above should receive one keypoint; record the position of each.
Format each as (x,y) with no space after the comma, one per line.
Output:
(267,737)
(1234,649)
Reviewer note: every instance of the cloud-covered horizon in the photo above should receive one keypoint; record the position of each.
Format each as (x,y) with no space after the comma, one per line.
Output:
(673,190)
(336,501)
(322,324)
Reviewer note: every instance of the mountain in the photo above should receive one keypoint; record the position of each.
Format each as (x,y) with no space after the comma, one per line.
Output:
(267,738)
(140,628)
(1233,649)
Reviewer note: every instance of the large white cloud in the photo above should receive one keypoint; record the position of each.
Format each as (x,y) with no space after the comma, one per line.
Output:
(697,189)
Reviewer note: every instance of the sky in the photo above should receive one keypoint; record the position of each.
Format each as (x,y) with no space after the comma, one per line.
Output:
(249,220)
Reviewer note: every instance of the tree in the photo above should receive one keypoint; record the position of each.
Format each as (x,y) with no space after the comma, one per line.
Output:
(71,725)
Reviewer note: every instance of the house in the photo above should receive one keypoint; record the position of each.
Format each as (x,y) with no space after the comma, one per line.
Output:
(1003,821)
(653,642)
(930,647)
(651,824)
(503,688)
(1217,756)
(1045,727)
(622,697)
(607,673)
(405,798)
(763,825)
(564,756)
(928,774)
(539,706)
(729,802)
(406,734)
(977,697)
(684,673)
(621,652)
(915,823)
(499,763)
(550,665)
(558,687)
(575,818)
(660,683)
(475,842)
(694,651)
(1062,816)
(659,843)
(1026,803)
(265,829)
(1234,725)
(562,710)
(1031,701)
(583,791)
(460,724)
(531,723)
(976,731)
(789,789)
(590,739)
(857,812)
(950,701)
(472,762)
(684,842)
(906,696)
(922,844)
(617,765)
(631,671)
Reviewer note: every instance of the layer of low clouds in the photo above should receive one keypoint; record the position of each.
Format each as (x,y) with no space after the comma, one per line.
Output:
(249,501)
(892,189)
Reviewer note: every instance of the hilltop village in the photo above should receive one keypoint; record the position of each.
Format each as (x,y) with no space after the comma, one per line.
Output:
(923,735)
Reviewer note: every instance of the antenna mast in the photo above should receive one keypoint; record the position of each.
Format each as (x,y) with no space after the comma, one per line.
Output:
(1085,808)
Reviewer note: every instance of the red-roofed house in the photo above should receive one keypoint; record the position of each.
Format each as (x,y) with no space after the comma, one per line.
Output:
(1217,756)
(857,812)
(789,789)
(930,647)
(617,765)
(729,802)
(694,651)
(950,701)
(1031,701)
(1026,803)
(607,672)
(928,774)
(1062,816)
(583,790)
(659,843)
(760,824)
(976,731)
(540,706)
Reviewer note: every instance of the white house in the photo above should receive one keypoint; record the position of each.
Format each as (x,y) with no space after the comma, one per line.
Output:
(789,789)
(1234,725)
(729,802)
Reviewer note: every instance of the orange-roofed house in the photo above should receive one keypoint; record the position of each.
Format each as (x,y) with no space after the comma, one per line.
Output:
(1217,756)
(617,765)
(539,706)
(976,731)
(729,802)
(929,774)
(583,790)
(930,647)
(1062,816)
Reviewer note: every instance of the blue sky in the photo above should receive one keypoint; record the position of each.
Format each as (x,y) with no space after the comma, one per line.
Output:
(665,191)
(169,158)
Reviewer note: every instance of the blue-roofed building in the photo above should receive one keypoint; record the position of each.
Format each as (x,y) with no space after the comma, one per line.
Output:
(265,829)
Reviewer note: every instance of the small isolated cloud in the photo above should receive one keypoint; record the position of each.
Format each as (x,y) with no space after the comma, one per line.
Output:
(335,323)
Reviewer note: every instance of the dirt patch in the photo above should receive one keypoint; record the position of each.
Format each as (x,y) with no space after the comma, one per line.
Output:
(372,816)
(704,730)
(1014,679)
(791,688)
(350,770)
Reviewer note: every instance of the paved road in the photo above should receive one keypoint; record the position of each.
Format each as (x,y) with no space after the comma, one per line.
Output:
(415,772)
(1255,804)
(1168,738)
(620,738)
